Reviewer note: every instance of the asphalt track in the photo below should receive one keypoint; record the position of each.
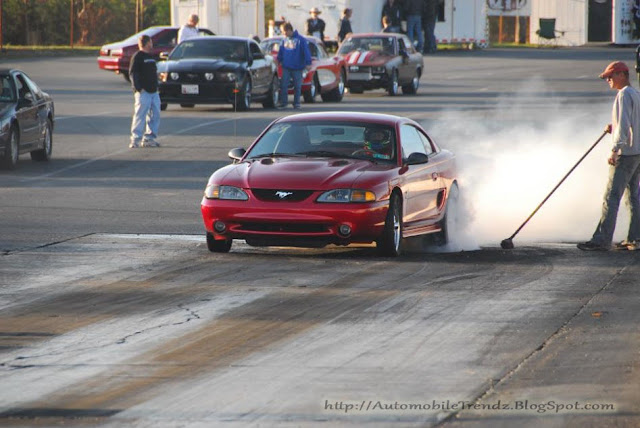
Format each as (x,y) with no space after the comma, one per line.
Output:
(113,313)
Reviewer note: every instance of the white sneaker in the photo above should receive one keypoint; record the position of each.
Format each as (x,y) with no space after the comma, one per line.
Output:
(150,143)
(633,245)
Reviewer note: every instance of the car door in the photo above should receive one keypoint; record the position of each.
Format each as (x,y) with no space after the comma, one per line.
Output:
(407,68)
(326,68)
(26,112)
(260,70)
(422,181)
(41,107)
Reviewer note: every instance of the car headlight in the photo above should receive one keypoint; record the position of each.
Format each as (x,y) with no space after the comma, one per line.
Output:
(174,75)
(208,76)
(377,70)
(226,77)
(214,191)
(162,77)
(347,195)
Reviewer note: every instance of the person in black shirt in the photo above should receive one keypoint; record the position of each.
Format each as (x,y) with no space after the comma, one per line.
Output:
(314,25)
(345,24)
(144,81)
(393,10)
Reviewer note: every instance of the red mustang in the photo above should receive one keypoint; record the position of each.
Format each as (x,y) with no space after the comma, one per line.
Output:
(327,77)
(315,179)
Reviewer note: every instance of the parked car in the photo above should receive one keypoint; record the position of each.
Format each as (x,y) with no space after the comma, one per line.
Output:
(26,119)
(327,76)
(117,56)
(214,70)
(382,60)
(315,179)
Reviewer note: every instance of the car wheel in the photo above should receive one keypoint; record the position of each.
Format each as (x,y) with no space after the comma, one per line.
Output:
(125,74)
(311,95)
(449,222)
(338,92)
(163,106)
(44,154)
(393,84)
(183,105)
(243,97)
(412,88)
(10,158)
(218,246)
(274,94)
(390,243)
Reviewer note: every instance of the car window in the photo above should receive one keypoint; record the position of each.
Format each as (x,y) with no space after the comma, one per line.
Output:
(426,142)
(22,88)
(8,93)
(411,141)
(321,51)
(255,49)
(166,38)
(229,50)
(313,49)
(34,88)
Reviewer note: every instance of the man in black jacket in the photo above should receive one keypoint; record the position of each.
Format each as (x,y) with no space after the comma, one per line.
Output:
(393,10)
(314,25)
(345,24)
(429,18)
(144,80)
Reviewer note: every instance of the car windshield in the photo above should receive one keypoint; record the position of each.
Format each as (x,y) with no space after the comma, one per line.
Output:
(228,50)
(370,141)
(133,40)
(8,93)
(381,44)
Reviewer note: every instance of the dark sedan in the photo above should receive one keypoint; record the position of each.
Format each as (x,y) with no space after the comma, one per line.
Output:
(26,119)
(218,70)
(117,56)
(382,60)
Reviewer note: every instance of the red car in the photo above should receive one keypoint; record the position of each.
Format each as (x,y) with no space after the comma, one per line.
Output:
(315,179)
(117,56)
(327,77)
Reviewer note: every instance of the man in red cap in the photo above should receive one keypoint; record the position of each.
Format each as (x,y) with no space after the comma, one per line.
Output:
(624,172)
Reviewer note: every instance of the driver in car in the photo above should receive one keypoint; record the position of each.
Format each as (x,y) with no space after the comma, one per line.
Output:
(378,142)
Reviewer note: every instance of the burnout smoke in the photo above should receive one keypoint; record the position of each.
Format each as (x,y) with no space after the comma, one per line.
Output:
(510,161)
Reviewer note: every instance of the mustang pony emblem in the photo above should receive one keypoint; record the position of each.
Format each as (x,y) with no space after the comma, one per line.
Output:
(281,194)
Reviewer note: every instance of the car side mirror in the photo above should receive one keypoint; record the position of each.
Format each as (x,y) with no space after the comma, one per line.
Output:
(236,154)
(164,56)
(416,158)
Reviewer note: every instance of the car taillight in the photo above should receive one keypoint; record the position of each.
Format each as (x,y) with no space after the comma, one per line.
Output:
(116,52)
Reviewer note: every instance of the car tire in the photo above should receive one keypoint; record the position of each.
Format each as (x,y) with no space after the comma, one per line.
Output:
(449,221)
(390,243)
(183,105)
(125,74)
(163,106)
(218,246)
(274,94)
(44,154)
(243,97)
(311,95)
(393,87)
(11,152)
(412,88)
(337,93)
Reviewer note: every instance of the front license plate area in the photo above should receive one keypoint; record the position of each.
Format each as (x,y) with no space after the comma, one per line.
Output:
(190,89)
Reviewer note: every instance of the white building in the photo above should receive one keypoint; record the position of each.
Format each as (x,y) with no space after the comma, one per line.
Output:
(223,17)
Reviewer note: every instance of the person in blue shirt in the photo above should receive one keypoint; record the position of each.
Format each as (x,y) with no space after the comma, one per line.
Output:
(294,57)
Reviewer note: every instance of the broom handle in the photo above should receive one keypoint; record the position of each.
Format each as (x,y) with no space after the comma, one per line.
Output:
(558,185)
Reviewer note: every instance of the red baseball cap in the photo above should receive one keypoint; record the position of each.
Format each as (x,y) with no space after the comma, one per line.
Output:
(612,68)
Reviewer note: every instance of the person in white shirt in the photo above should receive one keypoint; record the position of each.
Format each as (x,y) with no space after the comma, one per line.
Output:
(189,30)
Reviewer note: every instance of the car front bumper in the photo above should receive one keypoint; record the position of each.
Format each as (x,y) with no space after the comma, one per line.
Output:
(112,63)
(208,93)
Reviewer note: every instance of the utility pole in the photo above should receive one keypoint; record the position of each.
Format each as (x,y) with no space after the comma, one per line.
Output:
(1,10)
(71,24)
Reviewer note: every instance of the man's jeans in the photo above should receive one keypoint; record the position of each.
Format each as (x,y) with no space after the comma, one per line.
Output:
(146,116)
(414,30)
(287,75)
(625,175)
(430,37)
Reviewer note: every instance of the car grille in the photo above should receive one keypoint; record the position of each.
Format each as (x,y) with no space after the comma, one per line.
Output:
(281,195)
(284,227)
(191,78)
(359,69)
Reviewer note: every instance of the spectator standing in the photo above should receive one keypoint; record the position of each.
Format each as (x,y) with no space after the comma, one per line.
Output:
(294,56)
(144,80)
(393,11)
(315,25)
(386,25)
(345,24)
(624,172)
(190,29)
(429,19)
(413,10)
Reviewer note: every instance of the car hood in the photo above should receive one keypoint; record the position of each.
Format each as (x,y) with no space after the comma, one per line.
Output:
(375,58)
(199,65)
(297,173)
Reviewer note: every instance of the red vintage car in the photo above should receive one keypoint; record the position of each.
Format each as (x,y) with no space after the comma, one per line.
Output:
(117,56)
(315,179)
(327,76)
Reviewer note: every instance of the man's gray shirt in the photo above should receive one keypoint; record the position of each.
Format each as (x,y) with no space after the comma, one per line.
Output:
(625,121)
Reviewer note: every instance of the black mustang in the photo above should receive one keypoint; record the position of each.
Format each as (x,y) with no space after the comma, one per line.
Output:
(26,119)
(214,70)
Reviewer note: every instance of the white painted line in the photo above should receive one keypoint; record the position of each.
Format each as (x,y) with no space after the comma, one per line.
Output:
(58,118)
